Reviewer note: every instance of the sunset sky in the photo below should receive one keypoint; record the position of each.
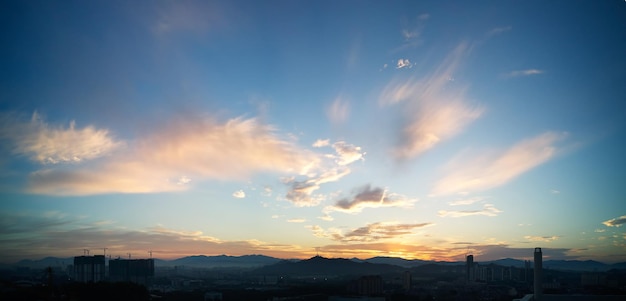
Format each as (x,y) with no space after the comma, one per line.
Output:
(416,129)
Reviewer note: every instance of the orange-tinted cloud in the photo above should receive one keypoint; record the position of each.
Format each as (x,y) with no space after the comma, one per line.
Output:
(369,233)
(487,171)
(48,144)
(435,108)
(178,153)
(488,210)
(615,222)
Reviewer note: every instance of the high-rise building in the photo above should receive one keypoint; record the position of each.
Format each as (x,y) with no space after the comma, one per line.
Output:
(407,281)
(526,271)
(538,274)
(367,286)
(89,268)
(469,267)
(131,270)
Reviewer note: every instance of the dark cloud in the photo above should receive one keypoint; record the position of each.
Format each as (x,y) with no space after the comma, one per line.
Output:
(368,197)
(369,233)
(615,222)
(364,196)
(378,231)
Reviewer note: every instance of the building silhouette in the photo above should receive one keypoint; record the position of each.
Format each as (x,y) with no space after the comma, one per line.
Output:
(407,281)
(538,274)
(139,271)
(89,268)
(469,268)
(367,285)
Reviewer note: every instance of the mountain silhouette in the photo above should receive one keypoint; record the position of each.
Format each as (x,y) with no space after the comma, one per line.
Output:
(223,261)
(321,266)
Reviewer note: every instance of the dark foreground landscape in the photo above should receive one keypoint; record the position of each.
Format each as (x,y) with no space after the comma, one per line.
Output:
(258,277)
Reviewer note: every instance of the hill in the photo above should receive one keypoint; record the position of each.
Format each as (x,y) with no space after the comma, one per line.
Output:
(321,266)
(222,261)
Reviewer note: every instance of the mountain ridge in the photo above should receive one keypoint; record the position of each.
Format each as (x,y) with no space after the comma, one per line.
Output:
(258,261)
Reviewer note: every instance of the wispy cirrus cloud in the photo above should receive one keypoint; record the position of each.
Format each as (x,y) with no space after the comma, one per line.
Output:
(488,210)
(369,233)
(542,238)
(301,193)
(190,147)
(615,222)
(339,110)
(469,201)
(487,171)
(347,153)
(56,234)
(175,17)
(435,108)
(411,33)
(296,220)
(498,30)
(48,144)
(526,72)
(370,197)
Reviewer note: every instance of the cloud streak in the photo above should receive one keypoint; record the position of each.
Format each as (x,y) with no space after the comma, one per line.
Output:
(526,72)
(62,236)
(301,192)
(192,148)
(369,233)
(338,111)
(615,222)
(498,30)
(47,144)
(542,238)
(429,251)
(469,201)
(480,173)
(435,109)
(488,210)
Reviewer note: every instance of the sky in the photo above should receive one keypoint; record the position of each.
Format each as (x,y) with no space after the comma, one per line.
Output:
(416,129)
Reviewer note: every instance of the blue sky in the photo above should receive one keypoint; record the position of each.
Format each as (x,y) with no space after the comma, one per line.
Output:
(420,129)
